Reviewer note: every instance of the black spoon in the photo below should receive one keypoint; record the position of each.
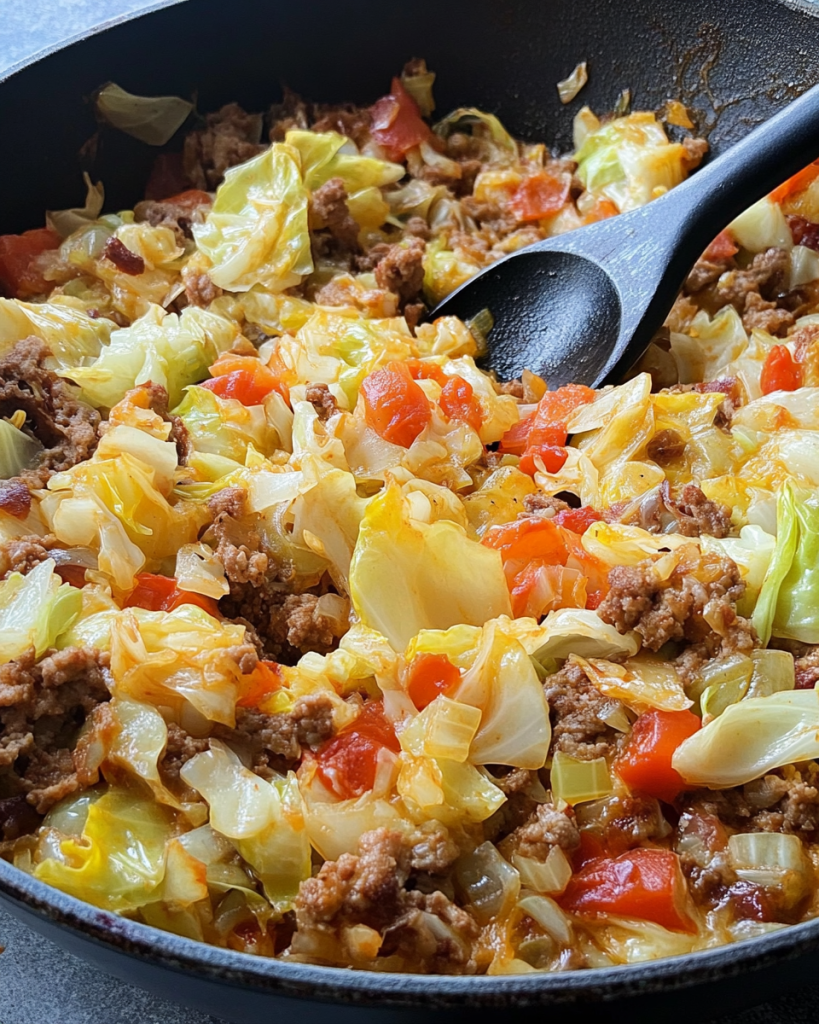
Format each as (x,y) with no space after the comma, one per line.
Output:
(583,306)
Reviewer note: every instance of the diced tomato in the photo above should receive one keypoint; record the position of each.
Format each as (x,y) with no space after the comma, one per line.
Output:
(601,210)
(420,370)
(642,883)
(430,675)
(780,371)
(19,279)
(552,457)
(161,594)
(578,520)
(525,539)
(540,587)
(796,183)
(265,679)
(394,405)
(347,763)
(722,248)
(516,438)
(804,232)
(538,196)
(645,763)
(397,124)
(459,403)
(244,378)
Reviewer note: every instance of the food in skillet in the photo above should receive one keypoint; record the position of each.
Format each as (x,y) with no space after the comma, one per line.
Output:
(317,642)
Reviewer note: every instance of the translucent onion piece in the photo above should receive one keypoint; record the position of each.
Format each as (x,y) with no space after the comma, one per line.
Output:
(151,119)
(489,882)
(575,781)
(569,87)
(549,916)
(551,875)
(445,728)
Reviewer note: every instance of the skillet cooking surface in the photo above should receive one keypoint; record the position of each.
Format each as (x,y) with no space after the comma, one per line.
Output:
(734,64)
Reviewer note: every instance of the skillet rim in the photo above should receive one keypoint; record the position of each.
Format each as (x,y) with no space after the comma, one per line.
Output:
(195,960)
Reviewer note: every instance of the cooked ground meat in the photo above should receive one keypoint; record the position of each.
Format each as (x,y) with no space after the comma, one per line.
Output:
(158,402)
(299,623)
(229,137)
(271,740)
(66,427)
(760,314)
(511,780)
(199,289)
(786,800)
(401,270)
(24,553)
(238,546)
(42,707)
(625,821)
(702,845)
(665,447)
(329,206)
(546,829)
(696,514)
(321,398)
(578,713)
(544,505)
(432,851)
(754,291)
(168,214)
(368,888)
(180,748)
(705,272)
(806,669)
(510,387)
(674,608)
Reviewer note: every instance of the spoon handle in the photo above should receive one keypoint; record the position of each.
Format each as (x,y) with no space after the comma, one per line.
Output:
(717,193)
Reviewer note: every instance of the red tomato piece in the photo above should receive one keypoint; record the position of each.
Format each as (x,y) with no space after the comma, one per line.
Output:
(244,378)
(347,763)
(430,675)
(541,587)
(553,411)
(525,539)
(397,124)
(419,370)
(645,763)
(538,196)
(601,210)
(394,405)
(19,279)
(578,520)
(265,679)
(722,248)
(516,438)
(161,594)
(780,371)
(459,403)
(797,183)
(552,457)
(642,883)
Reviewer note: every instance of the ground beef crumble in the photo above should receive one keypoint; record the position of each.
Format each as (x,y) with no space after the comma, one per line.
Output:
(545,829)
(230,137)
(238,545)
(578,713)
(322,400)
(42,707)
(66,427)
(24,553)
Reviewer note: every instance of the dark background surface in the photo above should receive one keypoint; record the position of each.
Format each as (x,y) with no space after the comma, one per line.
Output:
(39,982)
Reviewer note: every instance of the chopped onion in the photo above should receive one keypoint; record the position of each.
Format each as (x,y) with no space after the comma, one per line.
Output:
(445,728)
(361,942)
(199,571)
(574,781)
(804,266)
(571,86)
(151,119)
(551,875)
(771,860)
(490,883)
(549,916)
(773,672)
(762,226)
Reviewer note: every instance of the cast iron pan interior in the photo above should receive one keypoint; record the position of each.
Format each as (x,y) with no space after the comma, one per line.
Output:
(732,63)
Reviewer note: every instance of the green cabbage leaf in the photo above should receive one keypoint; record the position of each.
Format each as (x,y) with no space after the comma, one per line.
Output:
(34,610)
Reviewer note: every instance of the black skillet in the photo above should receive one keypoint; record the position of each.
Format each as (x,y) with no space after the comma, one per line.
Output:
(735,62)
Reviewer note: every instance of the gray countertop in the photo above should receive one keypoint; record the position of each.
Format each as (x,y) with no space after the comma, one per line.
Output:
(39,982)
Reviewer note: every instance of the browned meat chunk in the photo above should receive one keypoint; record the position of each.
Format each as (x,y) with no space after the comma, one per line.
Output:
(675,608)
(230,137)
(545,829)
(807,670)
(760,314)
(270,740)
(66,427)
(368,889)
(238,546)
(544,505)
(168,214)
(665,447)
(181,747)
(579,712)
(321,398)
(158,402)
(42,706)
(24,553)
(15,498)
(401,270)
(754,291)
(329,208)
(199,289)
(696,514)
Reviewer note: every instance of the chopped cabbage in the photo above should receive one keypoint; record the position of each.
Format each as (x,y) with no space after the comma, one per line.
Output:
(407,576)
(18,450)
(118,864)
(34,610)
(578,631)
(71,334)
(223,426)
(151,119)
(160,347)
(256,232)
(644,681)
(751,738)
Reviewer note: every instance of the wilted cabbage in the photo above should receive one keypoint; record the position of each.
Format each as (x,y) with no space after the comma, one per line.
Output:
(751,738)
(34,610)
(578,631)
(407,576)
(256,232)
(151,119)
(70,334)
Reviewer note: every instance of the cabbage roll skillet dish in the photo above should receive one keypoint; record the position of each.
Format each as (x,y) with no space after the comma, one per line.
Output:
(318,642)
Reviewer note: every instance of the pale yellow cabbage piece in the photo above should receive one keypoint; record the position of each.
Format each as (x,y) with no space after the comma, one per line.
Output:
(34,610)
(407,576)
